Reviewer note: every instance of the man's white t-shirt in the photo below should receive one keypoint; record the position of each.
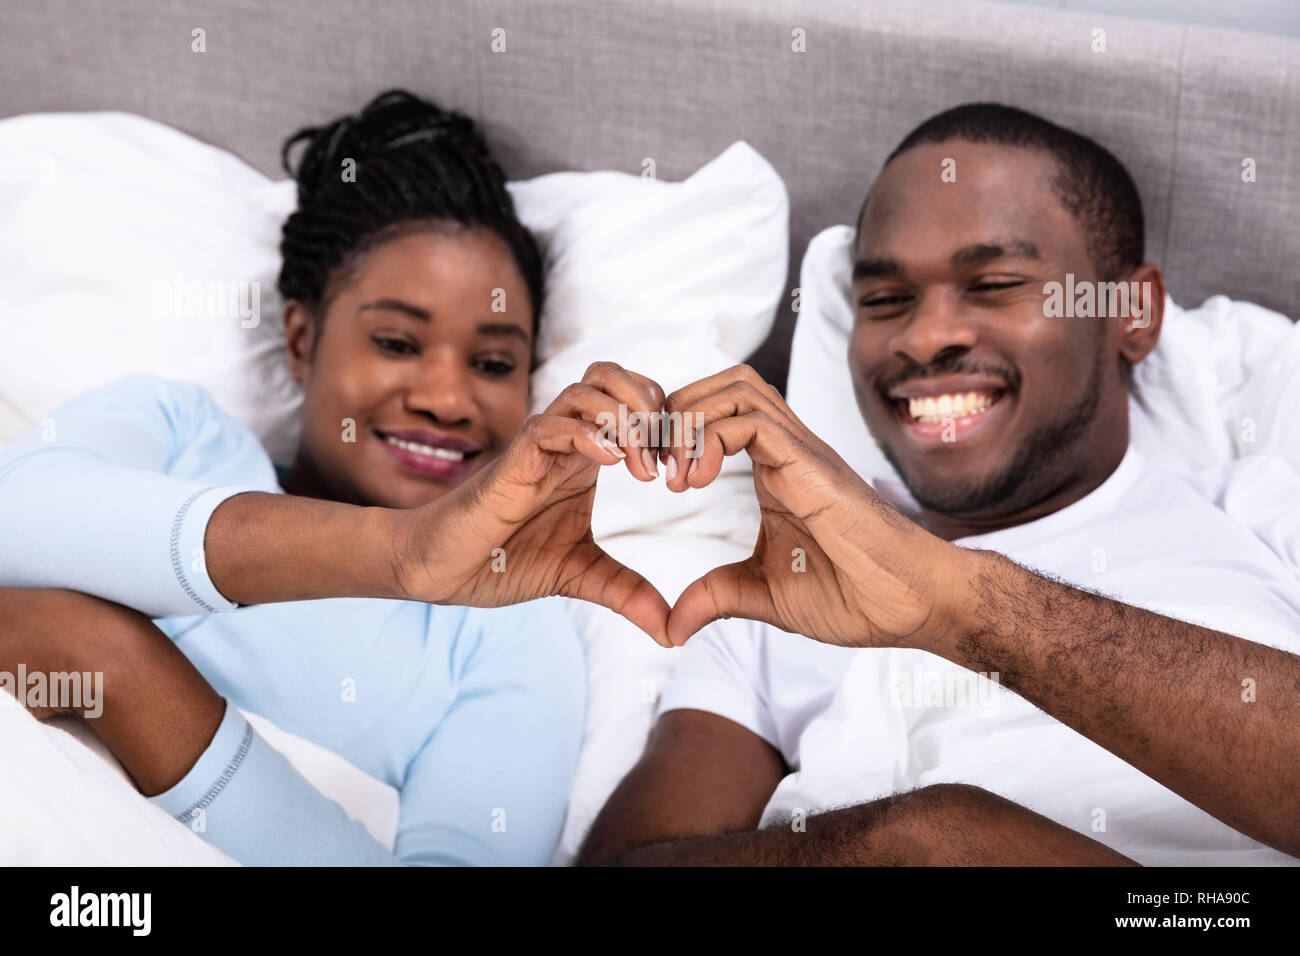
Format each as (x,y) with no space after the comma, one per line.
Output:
(1220,548)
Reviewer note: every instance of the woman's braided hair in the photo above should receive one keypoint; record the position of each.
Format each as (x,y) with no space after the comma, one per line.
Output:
(416,166)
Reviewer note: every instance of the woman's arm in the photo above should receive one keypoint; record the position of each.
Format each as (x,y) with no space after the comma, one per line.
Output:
(142,496)
(111,495)
(488,786)
(151,708)
(185,747)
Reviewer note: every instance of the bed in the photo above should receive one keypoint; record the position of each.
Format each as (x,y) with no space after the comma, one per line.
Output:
(820,92)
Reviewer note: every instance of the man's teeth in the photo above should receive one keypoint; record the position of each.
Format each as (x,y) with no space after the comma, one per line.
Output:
(446,454)
(938,407)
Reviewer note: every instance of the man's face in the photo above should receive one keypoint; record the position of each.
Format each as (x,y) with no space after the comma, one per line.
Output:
(414,353)
(985,405)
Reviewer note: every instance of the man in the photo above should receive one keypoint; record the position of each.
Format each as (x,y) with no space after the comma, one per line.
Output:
(1118,734)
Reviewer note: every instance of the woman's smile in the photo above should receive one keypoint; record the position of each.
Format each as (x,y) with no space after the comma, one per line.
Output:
(429,454)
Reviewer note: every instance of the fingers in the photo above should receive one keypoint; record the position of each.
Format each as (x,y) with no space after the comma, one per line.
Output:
(633,414)
(767,442)
(625,405)
(633,426)
(582,402)
(528,458)
(609,583)
(740,381)
(731,590)
(736,392)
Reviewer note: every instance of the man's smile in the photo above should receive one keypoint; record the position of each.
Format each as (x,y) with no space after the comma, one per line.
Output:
(947,409)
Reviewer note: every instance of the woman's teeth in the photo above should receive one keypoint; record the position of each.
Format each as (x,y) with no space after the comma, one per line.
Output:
(446,454)
(938,407)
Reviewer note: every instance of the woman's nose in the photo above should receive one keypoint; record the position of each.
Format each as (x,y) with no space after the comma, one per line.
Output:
(442,386)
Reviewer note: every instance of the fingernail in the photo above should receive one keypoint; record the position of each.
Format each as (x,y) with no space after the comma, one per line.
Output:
(648,460)
(695,463)
(672,468)
(609,446)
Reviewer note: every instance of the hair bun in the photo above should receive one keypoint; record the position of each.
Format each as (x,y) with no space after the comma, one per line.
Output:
(392,120)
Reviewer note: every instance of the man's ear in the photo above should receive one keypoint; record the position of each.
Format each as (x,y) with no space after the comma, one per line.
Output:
(298,331)
(1140,330)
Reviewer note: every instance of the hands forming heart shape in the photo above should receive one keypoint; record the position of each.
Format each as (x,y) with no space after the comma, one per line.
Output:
(833,561)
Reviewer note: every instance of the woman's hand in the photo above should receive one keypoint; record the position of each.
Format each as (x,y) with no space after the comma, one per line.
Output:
(521,529)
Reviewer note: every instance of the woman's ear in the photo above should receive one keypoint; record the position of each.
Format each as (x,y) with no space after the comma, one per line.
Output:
(298,328)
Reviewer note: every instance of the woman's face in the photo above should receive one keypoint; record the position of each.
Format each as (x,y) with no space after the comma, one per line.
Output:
(420,374)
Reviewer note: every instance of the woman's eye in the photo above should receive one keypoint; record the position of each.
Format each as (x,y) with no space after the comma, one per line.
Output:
(495,366)
(395,346)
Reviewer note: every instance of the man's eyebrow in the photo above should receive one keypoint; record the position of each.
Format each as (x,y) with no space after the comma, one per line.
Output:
(873,268)
(988,251)
(503,328)
(397,305)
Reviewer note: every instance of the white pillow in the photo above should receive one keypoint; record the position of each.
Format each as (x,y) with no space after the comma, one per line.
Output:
(104,216)
(101,216)
(1222,382)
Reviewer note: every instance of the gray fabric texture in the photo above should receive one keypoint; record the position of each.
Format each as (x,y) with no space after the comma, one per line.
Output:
(605,84)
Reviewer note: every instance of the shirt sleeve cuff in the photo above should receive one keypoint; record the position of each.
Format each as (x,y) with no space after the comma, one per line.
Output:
(213,771)
(189,562)
(717,697)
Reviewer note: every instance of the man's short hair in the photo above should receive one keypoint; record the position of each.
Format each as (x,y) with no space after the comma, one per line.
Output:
(1092,184)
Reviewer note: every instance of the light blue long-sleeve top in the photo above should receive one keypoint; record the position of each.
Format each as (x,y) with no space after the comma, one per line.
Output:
(474,715)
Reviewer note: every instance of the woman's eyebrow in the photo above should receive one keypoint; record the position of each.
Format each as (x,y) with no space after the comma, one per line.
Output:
(397,305)
(503,328)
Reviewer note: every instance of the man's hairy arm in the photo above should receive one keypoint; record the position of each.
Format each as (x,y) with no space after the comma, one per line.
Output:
(699,791)
(1166,696)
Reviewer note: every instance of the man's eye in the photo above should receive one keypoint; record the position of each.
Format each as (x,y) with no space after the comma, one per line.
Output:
(995,286)
(395,346)
(883,300)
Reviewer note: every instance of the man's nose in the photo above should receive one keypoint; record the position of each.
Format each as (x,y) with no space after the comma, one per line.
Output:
(937,325)
(442,385)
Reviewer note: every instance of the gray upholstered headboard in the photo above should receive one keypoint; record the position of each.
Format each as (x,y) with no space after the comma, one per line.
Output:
(606,83)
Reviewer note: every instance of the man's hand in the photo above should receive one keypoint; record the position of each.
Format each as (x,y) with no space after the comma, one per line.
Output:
(834,561)
(521,529)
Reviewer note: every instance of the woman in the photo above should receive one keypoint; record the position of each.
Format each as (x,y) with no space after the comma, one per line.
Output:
(156,542)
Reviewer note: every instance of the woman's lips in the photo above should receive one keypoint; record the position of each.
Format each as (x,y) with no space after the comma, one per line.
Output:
(434,457)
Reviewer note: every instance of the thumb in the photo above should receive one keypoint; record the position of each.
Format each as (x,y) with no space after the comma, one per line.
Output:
(730,590)
(612,584)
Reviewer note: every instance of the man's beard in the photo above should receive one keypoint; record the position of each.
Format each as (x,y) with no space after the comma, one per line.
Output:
(1002,493)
